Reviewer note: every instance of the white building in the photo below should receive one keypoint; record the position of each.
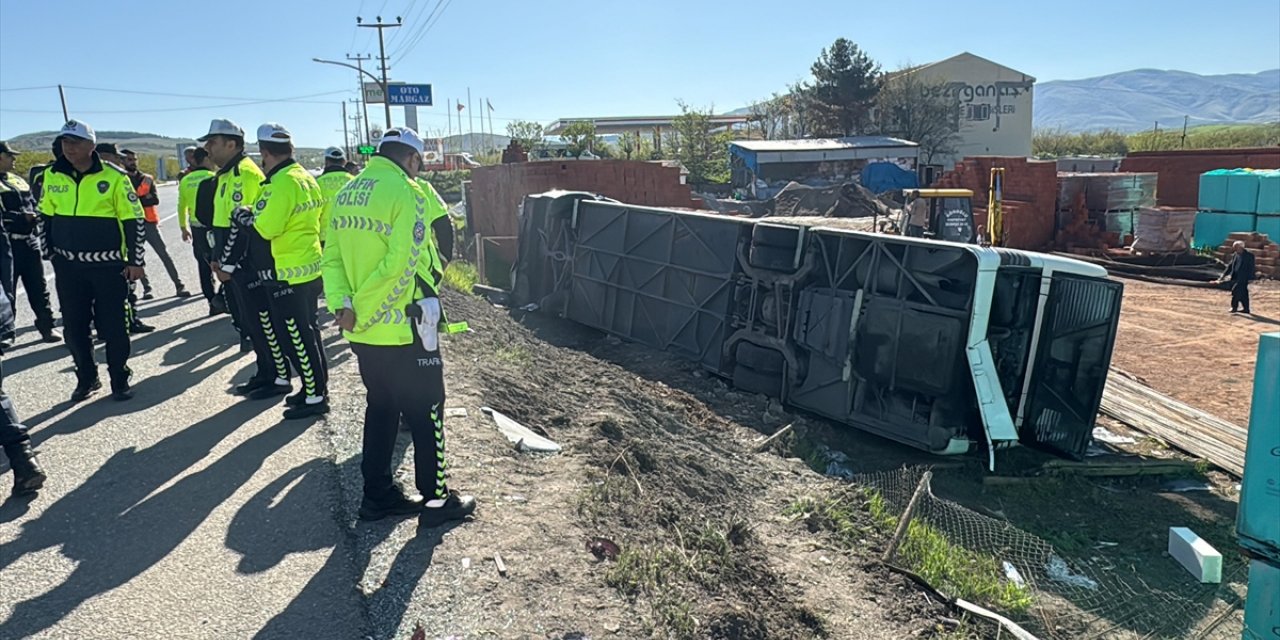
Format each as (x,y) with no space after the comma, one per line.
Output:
(993,105)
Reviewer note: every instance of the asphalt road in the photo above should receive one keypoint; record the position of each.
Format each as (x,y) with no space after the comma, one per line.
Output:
(185,512)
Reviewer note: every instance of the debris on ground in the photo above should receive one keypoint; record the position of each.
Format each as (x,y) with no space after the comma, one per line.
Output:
(523,437)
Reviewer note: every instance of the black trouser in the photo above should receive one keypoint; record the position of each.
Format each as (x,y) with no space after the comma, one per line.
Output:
(12,430)
(210,239)
(253,302)
(403,381)
(293,308)
(6,277)
(157,244)
(204,273)
(1240,295)
(29,269)
(96,294)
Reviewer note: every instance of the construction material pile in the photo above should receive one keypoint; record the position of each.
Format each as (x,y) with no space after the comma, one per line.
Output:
(1163,229)
(1101,209)
(1265,251)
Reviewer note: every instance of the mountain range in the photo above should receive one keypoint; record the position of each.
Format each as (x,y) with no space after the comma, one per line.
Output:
(1135,100)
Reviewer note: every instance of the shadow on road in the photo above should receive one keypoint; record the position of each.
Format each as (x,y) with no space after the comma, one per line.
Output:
(324,608)
(114,526)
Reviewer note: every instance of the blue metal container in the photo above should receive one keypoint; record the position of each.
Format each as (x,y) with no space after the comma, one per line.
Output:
(1258,520)
(1269,192)
(1213,190)
(1262,607)
(1242,192)
(1268,224)
(1211,228)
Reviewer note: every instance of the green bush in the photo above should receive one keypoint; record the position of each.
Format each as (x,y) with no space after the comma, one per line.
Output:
(448,181)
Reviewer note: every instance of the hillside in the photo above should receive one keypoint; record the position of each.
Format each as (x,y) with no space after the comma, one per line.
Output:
(144,144)
(1135,100)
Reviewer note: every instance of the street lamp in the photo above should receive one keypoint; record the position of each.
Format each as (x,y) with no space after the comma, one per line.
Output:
(385,94)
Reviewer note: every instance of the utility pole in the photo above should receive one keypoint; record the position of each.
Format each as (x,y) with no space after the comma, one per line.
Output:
(63,96)
(346,138)
(382,56)
(489,108)
(471,123)
(364,106)
(361,124)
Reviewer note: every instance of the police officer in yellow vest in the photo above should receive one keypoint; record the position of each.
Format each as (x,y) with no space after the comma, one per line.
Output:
(94,234)
(239,183)
(280,239)
(199,170)
(381,277)
(331,179)
(19,238)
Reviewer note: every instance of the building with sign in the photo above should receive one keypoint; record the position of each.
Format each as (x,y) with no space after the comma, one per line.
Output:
(993,105)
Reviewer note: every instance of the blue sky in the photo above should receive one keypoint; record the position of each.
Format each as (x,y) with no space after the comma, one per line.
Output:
(545,59)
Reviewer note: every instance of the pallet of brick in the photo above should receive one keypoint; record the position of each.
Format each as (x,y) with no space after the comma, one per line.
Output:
(1163,229)
(1119,191)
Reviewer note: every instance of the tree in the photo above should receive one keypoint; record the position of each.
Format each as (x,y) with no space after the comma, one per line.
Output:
(704,153)
(913,108)
(846,82)
(633,146)
(581,136)
(527,134)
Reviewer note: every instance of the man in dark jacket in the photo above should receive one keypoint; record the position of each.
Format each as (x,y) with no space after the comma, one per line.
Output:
(145,186)
(1240,272)
(19,250)
(28,477)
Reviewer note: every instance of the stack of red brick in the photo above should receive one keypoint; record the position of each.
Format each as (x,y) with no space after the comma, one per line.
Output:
(1030,196)
(496,191)
(1265,252)
(1179,183)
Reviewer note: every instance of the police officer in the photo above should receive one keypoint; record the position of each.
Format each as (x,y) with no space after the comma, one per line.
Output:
(144,184)
(19,237)
(238,184)
(199,169)
(381,277)
(333,178)
(28,477)
(93,232)
(110,155)
(280,239)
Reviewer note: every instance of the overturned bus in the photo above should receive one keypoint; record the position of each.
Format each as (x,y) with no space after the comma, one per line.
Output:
(943,346)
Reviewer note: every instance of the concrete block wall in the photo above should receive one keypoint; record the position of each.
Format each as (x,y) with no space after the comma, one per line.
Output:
(1179,182)
(1030,196)
(496,191)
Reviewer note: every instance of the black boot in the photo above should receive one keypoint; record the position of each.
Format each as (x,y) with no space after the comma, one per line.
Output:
(85,389)
(28,477)
(121,390)
(455,507)
(394,503)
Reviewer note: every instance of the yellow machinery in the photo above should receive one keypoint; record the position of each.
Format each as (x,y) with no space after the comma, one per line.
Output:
(995,211)
(950,215)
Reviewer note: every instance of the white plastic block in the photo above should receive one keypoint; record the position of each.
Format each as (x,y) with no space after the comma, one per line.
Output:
(1195,554)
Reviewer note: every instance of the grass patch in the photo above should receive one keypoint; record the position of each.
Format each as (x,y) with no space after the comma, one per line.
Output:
(461,276)
(956,571)
(516,355)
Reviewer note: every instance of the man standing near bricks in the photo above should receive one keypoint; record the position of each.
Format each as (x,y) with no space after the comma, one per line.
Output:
(382,276)
(1240,272)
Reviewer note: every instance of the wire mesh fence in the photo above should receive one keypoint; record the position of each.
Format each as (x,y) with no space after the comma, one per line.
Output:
(1097,595)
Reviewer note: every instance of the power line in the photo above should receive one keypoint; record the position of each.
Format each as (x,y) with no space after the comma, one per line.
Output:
(416,30)
(409,49)
(52,86)
(182,95)
(294,100)
(355,32)
(409,18)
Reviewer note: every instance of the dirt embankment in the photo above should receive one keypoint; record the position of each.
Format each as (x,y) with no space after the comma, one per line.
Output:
(658,459)
(1186,344)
